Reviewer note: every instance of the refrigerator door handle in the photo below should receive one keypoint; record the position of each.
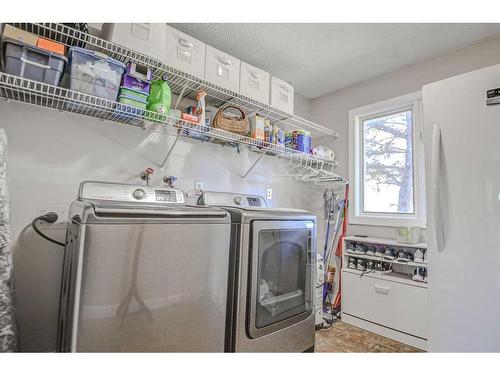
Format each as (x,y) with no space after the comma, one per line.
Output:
(436,196)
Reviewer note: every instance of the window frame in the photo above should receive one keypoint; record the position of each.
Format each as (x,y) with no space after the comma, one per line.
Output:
(357,116)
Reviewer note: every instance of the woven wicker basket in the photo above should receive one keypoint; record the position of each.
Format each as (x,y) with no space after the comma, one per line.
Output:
(238,125)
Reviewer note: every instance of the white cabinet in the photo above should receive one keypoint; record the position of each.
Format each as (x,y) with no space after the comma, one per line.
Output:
(254,83)
(222,69)
(387,301)
(282,95)
(391,304)
(146,38)
(184,52)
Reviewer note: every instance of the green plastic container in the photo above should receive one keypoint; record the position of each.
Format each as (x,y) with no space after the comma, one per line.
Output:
(139,96)
(129,101)
(160,96)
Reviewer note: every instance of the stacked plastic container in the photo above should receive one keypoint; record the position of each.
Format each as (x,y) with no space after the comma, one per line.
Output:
(30,56)
(94,73)
(135,87)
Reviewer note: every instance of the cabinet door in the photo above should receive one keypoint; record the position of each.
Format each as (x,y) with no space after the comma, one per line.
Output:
(391,304)
(184,52)
(254,83)
(222,69)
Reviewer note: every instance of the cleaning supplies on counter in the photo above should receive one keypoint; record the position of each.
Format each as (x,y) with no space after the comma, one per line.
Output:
(94,73)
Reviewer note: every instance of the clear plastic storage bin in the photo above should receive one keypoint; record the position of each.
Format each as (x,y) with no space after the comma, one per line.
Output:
(94,73)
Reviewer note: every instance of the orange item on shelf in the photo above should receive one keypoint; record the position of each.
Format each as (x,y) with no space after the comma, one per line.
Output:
(50,45)
(190,118)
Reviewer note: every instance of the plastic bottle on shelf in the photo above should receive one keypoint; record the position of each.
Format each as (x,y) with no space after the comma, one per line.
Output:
(160,96)
(200,108)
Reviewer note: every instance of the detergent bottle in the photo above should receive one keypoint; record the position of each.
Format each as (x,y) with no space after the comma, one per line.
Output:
(160,96)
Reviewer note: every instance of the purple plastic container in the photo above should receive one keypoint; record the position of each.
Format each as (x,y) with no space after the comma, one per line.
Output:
(135,84)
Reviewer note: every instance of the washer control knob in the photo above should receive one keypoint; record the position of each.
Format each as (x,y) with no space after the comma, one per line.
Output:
(139,194)
(237,200)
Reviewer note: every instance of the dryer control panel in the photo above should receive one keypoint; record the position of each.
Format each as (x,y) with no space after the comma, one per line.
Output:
(109,191)
(215,198)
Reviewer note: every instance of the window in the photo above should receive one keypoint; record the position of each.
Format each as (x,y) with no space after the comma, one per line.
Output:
(386,163)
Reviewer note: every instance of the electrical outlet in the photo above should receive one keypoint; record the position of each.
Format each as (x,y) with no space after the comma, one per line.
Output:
(61,211)
(269,193)
(198,185)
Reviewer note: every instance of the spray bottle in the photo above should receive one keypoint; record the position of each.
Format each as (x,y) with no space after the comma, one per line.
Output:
(200,108)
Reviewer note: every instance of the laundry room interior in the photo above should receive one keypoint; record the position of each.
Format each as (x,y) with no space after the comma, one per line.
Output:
(249,187)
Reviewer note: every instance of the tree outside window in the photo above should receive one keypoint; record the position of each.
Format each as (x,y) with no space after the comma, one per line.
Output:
(388,170)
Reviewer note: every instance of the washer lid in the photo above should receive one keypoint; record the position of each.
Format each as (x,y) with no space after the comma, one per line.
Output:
(105,202)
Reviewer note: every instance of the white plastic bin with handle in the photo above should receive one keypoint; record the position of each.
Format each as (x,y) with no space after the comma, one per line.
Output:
(282,95)
(254,83)
(184,52)
(146,38)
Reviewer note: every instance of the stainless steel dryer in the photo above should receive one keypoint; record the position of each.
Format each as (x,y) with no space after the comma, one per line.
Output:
(271,288)
(143,272)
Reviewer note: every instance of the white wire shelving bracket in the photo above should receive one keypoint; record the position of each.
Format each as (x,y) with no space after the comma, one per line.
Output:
(182,84)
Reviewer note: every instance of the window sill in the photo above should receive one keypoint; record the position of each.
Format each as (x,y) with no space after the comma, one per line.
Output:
(388,221)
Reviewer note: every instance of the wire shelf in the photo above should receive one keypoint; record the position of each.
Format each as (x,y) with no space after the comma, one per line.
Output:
(181,83)
(308,167)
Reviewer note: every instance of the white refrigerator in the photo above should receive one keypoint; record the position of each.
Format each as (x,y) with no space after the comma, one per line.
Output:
(462,151)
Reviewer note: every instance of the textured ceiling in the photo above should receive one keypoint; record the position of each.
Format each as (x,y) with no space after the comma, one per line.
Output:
(321,58)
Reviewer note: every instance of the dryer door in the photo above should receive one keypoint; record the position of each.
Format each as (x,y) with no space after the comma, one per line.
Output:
(280,275)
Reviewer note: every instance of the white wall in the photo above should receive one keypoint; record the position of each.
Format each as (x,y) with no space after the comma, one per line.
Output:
(302,106)
(51,152)
(332,109)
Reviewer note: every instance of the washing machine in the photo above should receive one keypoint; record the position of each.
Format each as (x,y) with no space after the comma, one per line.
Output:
(143,272)
(271,275)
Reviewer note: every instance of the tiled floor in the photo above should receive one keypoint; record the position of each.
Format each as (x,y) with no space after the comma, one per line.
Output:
(345,338)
